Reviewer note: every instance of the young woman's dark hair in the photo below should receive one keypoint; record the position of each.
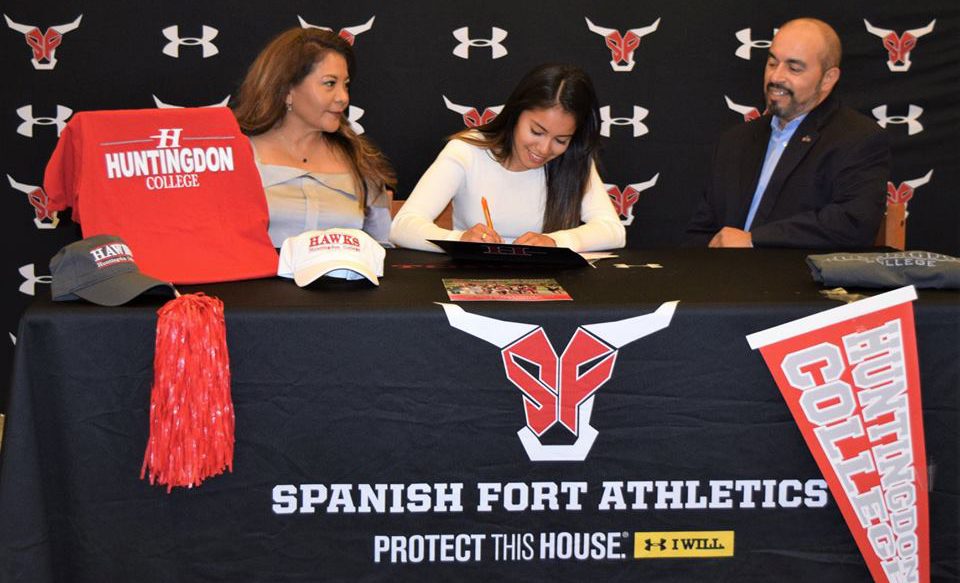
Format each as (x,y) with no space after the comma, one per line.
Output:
(282,65)
(567,175)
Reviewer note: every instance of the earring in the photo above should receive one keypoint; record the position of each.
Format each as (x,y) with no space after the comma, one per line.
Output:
(289,107)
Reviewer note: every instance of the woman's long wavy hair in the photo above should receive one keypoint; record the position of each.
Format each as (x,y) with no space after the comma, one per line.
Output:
(568,175)
(283,64)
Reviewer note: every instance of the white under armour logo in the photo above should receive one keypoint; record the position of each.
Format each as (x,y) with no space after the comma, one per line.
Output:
(747,44)
(43,217)
(43,44)
(207,34)
(29,286)
(26,114)
(347,33)
(497,35)
(353,114)
(639,114)
(913,114)
(162,105)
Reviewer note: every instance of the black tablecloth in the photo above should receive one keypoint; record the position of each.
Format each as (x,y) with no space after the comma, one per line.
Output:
(346,383)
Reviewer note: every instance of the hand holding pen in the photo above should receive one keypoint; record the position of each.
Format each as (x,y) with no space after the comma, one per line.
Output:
(482,233)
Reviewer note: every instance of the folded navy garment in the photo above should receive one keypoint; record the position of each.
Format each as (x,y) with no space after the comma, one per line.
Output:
(919,268)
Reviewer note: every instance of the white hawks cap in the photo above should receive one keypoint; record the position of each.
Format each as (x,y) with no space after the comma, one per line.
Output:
(343,253)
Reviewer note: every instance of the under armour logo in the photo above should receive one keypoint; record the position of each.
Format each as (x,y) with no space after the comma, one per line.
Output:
(471,115)
(622,46)
(26,114)
(347,33)
(497,35)
(747,44)
(913,114)
(162,105)
(38,199)
(353,114)
(207,34)
(899,47)
(903,193)
(649,544)
(43,44)
(623,200)
(749,113)
(29,286)
(639,114)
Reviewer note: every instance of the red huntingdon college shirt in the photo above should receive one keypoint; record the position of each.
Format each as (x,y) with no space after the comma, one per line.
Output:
(179,185)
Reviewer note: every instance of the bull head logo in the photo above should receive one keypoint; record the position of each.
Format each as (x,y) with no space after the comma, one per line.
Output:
(43,44)
(748,112)
(622,46)
(903,193)
(623,200)
(471,115)
(899,47)
(347,33)
(563,390)
(43,218)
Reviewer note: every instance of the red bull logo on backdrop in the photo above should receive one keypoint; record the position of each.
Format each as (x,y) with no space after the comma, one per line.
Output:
(43,44)
(899,47)
(622,46)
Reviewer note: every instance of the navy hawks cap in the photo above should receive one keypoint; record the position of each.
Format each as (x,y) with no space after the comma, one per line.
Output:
(101,270)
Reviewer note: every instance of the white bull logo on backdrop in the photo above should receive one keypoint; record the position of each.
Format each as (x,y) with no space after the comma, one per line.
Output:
(622,46)
(347,33)
(43,44)
(564,388)
(899,47)
(471,115)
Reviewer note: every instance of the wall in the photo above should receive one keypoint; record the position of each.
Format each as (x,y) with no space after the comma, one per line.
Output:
(666,107)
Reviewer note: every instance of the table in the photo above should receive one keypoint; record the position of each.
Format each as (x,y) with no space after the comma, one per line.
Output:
(377,442)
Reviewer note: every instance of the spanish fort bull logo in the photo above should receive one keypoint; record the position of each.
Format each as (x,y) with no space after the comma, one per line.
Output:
(564,387)
(43,44)
(904,192)
(624,200)
(622,46)
(899,47)
(748,112)
(471,115)
(347,33)
(43,217)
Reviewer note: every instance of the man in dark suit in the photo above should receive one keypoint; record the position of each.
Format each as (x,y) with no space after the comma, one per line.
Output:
(809,172)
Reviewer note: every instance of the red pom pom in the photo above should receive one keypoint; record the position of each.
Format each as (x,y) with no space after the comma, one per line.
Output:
(191,411)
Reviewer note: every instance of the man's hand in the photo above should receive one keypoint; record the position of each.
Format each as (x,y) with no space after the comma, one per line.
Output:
(538,239)
(730,237)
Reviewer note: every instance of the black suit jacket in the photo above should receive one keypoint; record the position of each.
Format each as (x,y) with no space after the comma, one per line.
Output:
(828,190)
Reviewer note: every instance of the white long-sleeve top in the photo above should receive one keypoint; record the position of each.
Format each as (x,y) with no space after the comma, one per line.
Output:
(464,173)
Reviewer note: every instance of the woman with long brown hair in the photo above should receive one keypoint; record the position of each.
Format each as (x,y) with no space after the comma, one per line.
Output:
(317,172)
(536,165)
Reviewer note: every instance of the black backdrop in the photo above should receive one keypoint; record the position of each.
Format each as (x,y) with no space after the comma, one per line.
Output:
(117,55)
